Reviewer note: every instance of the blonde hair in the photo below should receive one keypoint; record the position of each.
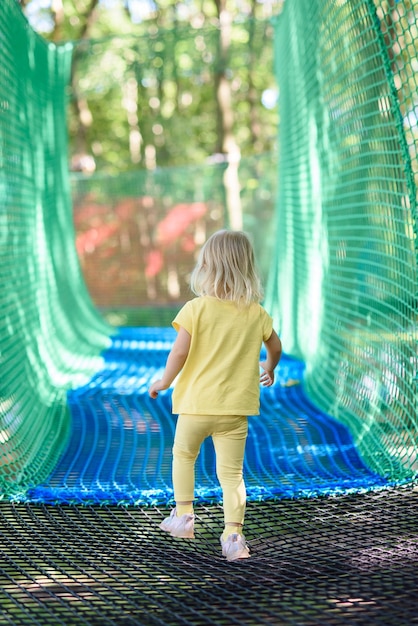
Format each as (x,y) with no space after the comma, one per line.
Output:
(226,269)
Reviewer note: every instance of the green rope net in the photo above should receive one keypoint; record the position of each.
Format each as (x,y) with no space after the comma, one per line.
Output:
(50,336)
(341,261)
(343,280)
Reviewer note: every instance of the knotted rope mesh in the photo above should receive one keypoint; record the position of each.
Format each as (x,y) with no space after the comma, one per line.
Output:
(76,420)
(344,276)
(76,425)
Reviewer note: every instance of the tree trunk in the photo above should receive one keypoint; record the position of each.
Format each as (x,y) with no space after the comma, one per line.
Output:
(255,127)
(226,139)
(82,159)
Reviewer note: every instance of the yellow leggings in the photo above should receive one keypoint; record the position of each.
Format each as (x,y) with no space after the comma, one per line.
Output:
(229,434)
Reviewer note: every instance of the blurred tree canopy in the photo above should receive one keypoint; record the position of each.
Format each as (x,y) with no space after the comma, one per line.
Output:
(165,83)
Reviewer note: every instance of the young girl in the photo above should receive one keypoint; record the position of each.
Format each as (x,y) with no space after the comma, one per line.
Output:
(216,352)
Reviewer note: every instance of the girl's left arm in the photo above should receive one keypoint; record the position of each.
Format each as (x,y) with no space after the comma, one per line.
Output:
(175,361)
(274,352)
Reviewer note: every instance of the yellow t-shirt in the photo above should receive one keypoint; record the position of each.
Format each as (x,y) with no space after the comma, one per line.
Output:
(221,372)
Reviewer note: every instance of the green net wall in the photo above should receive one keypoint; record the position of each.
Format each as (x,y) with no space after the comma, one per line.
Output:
(49,334)
(344,277)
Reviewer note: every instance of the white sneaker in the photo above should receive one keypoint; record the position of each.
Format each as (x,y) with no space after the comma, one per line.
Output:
(234,547)
(182,526)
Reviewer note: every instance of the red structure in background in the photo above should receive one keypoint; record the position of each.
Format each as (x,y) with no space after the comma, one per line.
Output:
(139,251)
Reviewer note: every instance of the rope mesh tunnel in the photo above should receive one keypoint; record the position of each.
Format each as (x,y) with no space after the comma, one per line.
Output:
(80,437)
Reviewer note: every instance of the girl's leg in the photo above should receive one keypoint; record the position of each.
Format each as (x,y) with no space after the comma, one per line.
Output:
(191,430)
(229,440)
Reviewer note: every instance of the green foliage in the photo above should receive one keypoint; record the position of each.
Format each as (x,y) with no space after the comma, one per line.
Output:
(160,88)
(144,94)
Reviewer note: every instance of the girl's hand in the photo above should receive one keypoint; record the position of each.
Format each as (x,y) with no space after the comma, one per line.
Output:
(266,376)
(157,386)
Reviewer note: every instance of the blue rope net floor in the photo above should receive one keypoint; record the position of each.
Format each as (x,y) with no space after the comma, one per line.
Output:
(119,449)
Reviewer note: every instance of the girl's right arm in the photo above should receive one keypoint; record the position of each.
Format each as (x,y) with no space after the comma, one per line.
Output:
(175,361)
(274,352)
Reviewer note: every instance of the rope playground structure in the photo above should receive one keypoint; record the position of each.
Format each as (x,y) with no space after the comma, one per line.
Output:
(331,462)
